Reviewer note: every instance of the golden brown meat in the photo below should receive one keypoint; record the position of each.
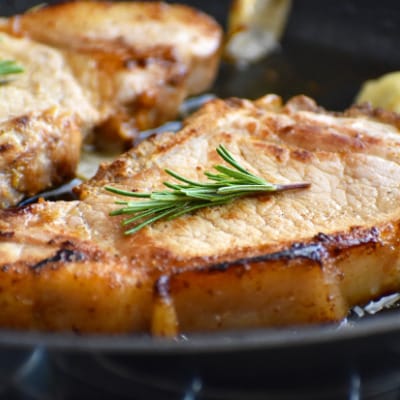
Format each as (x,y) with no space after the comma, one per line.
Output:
(126,68)
(46,82)
(37,151)
(42,113)
(289,258)
(135,61)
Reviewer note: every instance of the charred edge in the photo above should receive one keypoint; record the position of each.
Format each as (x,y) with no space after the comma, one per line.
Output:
(63,255)
(22,121)
(6,234)
(357,237)
(6,147)
(162,287)
(158,54)
(314,251)
(18,210)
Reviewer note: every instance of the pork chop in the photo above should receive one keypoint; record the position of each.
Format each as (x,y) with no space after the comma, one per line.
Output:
(43,111)
(287,258)
(135,61)
(46,82)
(38,150)
(126,68)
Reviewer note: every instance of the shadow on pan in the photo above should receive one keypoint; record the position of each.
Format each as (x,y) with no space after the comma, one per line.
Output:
(328,50)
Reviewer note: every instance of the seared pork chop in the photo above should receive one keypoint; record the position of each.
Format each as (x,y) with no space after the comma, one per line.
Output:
(37,151)
(135,61)
(126,68)
(47,82)
(287,258)
(42,113)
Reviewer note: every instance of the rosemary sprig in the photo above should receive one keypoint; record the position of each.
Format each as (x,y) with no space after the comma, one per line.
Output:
(9,67)
(182,198)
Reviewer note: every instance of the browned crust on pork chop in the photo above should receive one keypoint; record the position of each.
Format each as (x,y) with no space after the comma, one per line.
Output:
(135,61)
(126,68)
(290,258)
(38,151)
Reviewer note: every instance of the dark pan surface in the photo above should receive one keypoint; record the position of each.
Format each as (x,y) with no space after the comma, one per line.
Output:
(329,49)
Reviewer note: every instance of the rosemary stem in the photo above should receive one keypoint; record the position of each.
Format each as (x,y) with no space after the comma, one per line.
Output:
(293,186)
(179,199)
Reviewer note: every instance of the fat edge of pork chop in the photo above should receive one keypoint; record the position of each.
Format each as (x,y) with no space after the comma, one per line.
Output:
(289,258)
(135,61)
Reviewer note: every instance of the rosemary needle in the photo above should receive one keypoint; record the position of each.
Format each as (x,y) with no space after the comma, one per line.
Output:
(9,67)
(182,198)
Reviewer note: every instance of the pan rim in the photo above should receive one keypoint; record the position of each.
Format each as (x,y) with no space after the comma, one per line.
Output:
(270,339)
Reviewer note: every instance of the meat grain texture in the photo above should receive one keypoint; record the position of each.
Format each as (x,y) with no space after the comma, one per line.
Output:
(135,61)
(43,111)
(126,68)
(282,259)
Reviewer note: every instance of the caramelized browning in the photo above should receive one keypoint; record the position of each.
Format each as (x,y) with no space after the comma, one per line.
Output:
(135,61)
(126,68)
(37,151)
(288,258)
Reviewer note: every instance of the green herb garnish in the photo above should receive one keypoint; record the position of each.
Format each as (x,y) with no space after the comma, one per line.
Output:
(35,8)
(10,67)
(228,184)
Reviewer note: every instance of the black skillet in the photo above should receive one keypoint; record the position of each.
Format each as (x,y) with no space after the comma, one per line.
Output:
(329,49)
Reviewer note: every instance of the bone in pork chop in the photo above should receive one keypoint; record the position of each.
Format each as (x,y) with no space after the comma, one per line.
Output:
(288,258)
(126,68)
